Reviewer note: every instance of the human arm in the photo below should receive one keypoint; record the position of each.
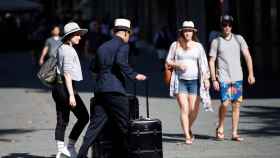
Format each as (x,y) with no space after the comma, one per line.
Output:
(68,82)
(176,65)
(249,63)
(170,59)
(212,63)
(213,73)
(248,59)
(43,55)
(122,62)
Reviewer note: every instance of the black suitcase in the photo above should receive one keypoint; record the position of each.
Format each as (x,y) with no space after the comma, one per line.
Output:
(145,136)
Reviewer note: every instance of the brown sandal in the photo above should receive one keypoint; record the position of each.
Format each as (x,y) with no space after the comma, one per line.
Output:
(237,138)
(189,141)
(219,135)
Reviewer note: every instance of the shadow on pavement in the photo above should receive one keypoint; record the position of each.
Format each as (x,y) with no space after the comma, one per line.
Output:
(173,137)
(267,117)
(12,132)
(15,131)
(25,155)
(176,138)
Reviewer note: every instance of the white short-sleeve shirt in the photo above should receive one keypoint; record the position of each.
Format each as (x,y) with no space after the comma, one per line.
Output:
(227,53)
(68,61)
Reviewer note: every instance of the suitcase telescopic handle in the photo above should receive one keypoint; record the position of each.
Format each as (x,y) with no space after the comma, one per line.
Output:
(147,97)
(134,89)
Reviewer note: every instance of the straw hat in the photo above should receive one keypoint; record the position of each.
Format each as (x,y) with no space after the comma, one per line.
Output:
(122,24)
(73,27)
(188,25)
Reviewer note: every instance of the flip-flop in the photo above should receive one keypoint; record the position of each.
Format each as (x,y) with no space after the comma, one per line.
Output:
(189,141)
(237,138)
(219,135)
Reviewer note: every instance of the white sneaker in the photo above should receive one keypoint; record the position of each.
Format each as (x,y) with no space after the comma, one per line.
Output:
(65,152)
(58,155)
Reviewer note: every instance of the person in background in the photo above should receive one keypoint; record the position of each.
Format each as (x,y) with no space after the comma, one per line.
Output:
(51,44)
(95,37)
(190,76)
(64,92)
(227,75)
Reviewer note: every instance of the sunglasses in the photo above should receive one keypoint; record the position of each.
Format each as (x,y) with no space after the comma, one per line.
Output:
(227,24)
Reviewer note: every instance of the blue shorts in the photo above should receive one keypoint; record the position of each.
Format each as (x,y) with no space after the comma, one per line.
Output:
(231,91)
(189,87)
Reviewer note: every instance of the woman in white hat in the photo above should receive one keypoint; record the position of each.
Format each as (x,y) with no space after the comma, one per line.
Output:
(190,71)
(64,92)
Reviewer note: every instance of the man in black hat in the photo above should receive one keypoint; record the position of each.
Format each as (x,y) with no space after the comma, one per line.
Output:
(227,75)
(111,64)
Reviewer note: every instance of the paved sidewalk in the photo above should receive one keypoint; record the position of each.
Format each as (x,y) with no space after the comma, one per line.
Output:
(27,120)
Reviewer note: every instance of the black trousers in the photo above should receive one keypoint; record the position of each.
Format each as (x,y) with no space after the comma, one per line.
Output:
(61,98)
(113,107)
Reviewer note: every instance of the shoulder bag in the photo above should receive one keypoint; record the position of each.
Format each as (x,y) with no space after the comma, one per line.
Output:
(168,70)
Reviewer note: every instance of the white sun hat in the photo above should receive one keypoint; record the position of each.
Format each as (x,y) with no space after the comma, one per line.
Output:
(122,24)
(188,25)
(73,27)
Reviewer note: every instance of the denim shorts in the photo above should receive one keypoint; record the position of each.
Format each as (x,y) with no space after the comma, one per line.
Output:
(189,87)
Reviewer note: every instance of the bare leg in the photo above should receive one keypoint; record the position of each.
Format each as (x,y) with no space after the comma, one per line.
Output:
(235,121)
(184,114)
(222,114)
(194,108)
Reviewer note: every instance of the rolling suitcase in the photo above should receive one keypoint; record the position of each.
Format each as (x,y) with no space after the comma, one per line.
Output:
(145,136)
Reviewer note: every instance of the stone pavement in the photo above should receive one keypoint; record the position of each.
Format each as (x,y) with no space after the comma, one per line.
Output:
(27,120)
(27,117)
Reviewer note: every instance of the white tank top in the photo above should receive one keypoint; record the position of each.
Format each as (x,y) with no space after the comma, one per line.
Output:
(189,58)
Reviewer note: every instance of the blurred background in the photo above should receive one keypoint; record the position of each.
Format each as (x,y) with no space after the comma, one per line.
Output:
(25,25)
